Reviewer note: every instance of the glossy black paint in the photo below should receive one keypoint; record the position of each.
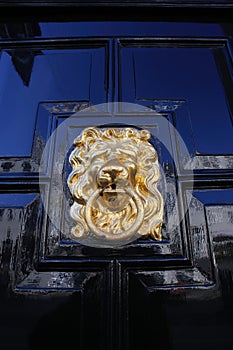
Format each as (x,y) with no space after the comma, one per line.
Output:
(174,294)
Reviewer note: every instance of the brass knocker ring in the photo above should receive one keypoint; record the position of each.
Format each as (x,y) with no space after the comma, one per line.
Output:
(124,235)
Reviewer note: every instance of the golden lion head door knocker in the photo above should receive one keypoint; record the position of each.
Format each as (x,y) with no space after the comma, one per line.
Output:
(114,187)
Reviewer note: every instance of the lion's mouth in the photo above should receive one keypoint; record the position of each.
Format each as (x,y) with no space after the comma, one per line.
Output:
(113,179)
(114,198)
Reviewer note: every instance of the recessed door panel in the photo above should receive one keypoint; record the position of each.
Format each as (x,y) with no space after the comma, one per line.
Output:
(33,75)
(165,74)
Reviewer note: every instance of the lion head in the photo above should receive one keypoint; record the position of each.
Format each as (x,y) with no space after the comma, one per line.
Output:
(114,185)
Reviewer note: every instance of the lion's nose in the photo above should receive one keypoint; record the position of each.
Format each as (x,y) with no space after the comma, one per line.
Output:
(111,174)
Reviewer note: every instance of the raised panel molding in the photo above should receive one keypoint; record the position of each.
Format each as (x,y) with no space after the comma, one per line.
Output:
(57,243)
(210,227)
(82,4)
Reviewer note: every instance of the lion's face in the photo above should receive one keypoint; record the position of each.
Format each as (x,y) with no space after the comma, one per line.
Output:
(113,169)
(113,182)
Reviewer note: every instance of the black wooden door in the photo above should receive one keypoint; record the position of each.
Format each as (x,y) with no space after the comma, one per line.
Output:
(172,78)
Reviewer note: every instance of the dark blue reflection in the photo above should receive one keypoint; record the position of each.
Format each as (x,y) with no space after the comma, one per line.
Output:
(189,74)
(40,76)
(129,29)
(215,197)
(30,76)
(16,200)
